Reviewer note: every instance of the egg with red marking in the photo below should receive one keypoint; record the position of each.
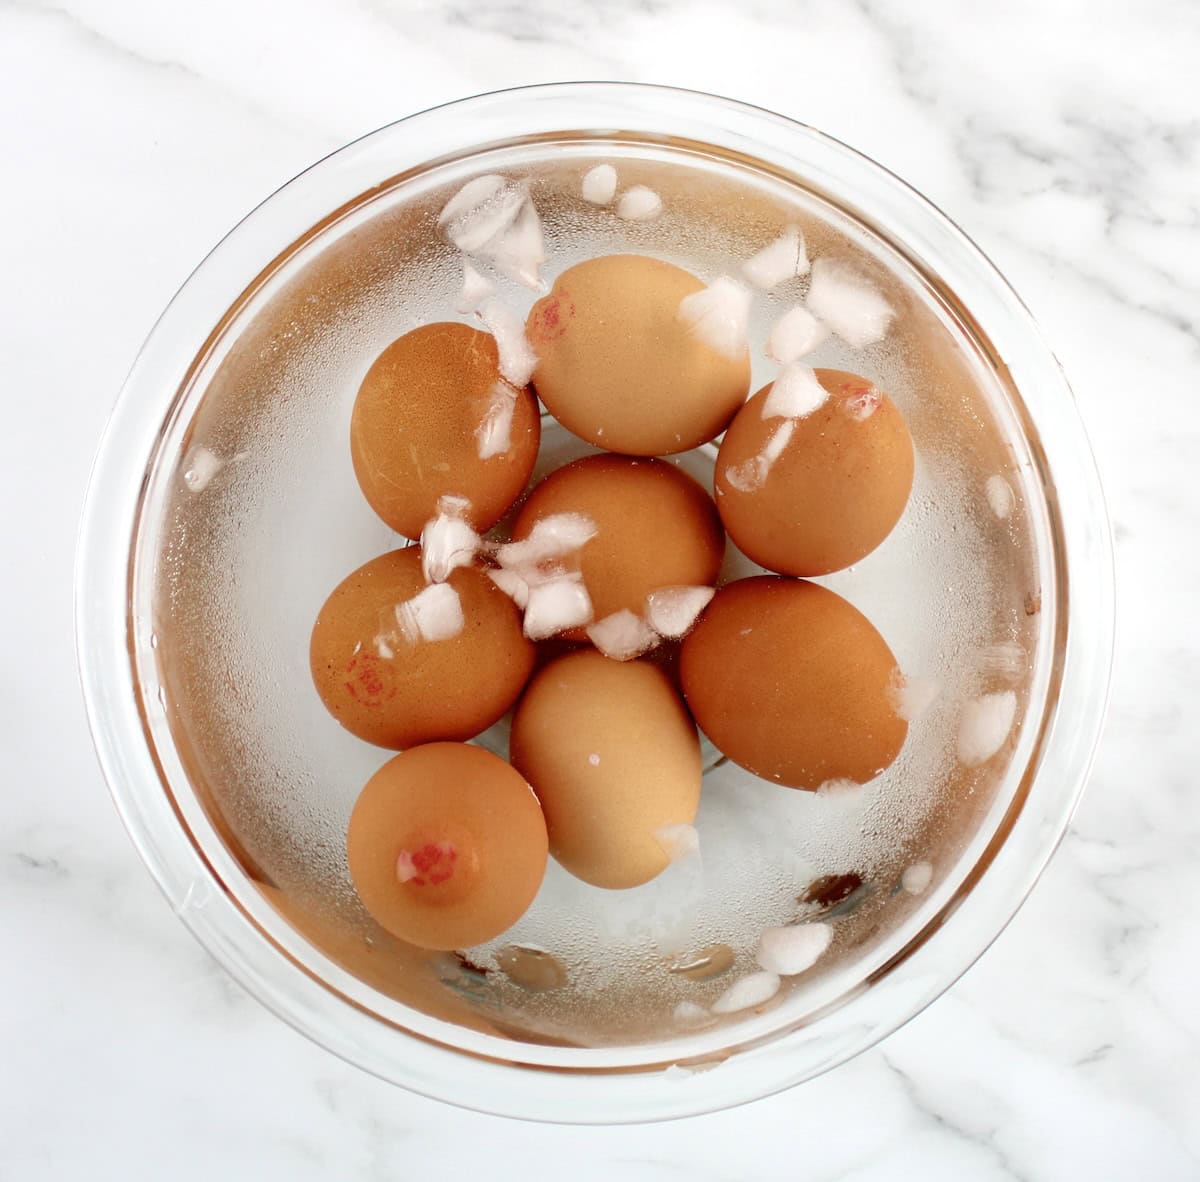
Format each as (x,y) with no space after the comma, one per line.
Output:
(621,368)
(446,846)
(398,662)
(814,493)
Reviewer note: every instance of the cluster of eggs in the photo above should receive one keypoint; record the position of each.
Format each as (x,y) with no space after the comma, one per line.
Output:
(590,605)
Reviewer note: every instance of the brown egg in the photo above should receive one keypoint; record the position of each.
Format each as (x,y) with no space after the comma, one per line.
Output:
(619,368)
(793,683)
(446,846)
(835,490)
(384,682)
(656,527)
(415,432)
(614,758)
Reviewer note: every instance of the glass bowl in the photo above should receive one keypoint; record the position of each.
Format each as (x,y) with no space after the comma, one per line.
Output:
(223,508)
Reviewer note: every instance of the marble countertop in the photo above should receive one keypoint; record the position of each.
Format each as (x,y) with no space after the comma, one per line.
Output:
(1064,137)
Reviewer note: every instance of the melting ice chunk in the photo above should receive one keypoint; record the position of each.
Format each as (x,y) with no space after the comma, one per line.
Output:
(794,394)
(201,468)
(481,211)
(551,537)
(671,611)
(850,304)
(520,250)
(794,334)
(751,990)
(783,259)
(839,787)
(447,542)
(1000,497)
(599,184)
(511,583)
(751,474)
(1008,659)
(790,950)
(719,315)
(688,1013)
(622,635)
(493,437)
(912,696)
(639,204)
(475,289)
(678,841)
(916,877)
(432,614)
(494,217)
(555,606)
(517,359)
(984,726)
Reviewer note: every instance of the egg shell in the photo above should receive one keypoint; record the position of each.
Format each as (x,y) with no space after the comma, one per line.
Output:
(414,429)
(446,846)
(619,368)
(836,490)
(792,682)
(443,689)
(613,757)
(656,527)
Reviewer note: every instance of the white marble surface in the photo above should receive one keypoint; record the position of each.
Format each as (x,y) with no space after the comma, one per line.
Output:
(1065,136)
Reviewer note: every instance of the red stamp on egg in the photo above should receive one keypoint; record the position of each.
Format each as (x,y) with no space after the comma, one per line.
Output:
(551,317)
(433,863)
(369,680)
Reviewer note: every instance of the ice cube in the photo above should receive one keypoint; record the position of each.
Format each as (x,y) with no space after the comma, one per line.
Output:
(475,289)
(599,184)
(678,841)
(751,990)
(783,259)
(912,696)
(794,394)
(719,315)
(916,877)
(622,635)
(849,303)
(511,583)
(794,334)
(517,359)
(493,437)
(520,250)
(984,726)
(447,542)
(434,613)
(201,468)
(790,950)
(671,611)
(1000,496)
(555,606)
(481,211)
(554,536)
(1007,659)
(688,1013)
(639,204)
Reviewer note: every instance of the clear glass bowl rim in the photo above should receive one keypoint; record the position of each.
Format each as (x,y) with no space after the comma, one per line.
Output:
(950,941)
